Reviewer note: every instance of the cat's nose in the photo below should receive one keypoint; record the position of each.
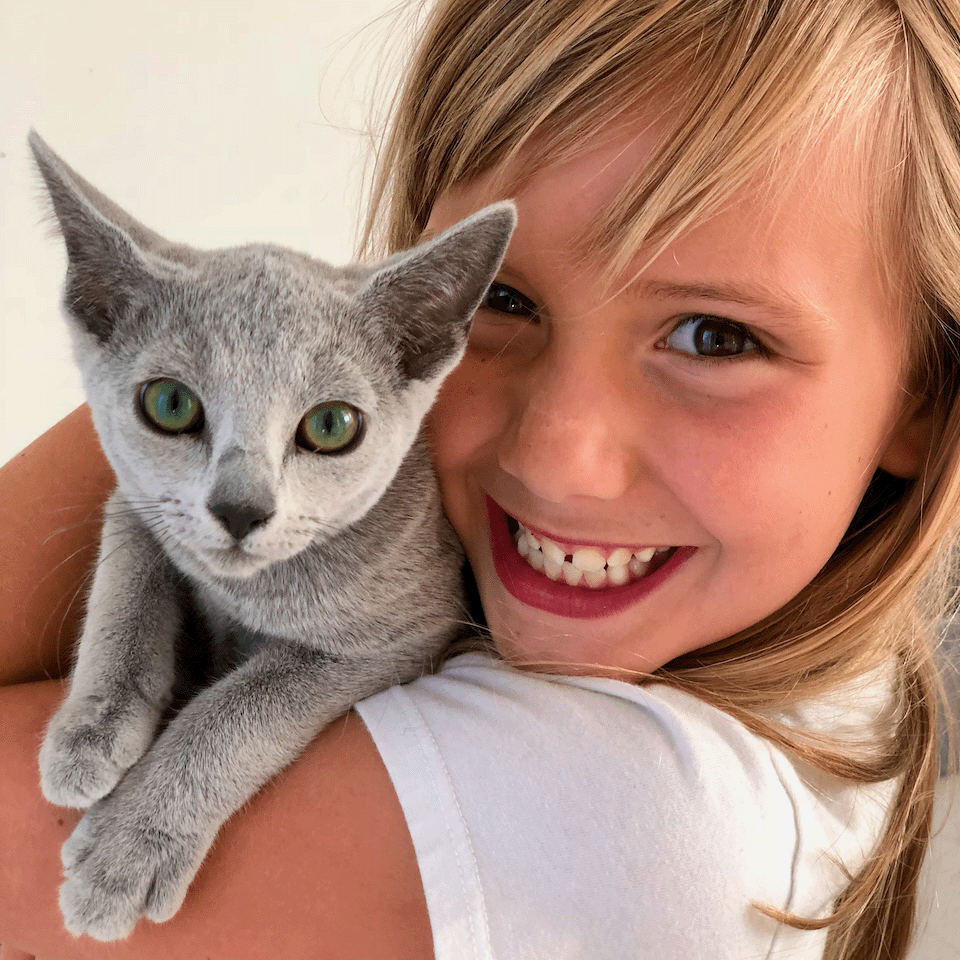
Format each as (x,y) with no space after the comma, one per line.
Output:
(239,518)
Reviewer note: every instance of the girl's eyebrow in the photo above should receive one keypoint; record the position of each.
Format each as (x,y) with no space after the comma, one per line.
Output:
(779,305)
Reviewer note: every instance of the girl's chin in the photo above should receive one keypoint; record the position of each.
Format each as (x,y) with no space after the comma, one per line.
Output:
(531,643)
(536,639)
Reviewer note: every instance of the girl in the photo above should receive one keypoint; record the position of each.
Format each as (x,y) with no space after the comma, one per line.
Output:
(702,456)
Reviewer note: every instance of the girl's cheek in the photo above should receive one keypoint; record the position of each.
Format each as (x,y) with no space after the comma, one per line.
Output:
(468,411)
(462,429)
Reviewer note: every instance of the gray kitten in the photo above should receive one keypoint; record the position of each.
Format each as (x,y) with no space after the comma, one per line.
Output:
(275,540)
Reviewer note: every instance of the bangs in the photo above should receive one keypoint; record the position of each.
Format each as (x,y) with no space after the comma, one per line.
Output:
(741,99)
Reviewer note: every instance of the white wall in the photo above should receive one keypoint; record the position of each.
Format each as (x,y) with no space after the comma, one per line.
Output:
(215,122)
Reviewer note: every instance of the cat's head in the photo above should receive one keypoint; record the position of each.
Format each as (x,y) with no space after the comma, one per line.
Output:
(253,400)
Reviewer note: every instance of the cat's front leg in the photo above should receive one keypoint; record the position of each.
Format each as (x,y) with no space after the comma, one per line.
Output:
(136,851)
(122,677)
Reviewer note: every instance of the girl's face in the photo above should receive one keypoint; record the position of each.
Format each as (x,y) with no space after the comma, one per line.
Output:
(725,414)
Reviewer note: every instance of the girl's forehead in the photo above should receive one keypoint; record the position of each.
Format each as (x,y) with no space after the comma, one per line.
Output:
(586,177)
(803,191)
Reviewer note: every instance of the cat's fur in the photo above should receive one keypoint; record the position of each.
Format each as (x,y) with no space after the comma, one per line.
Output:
(340,576)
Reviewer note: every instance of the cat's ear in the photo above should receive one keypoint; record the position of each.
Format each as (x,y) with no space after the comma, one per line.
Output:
(432,291)
(112,258)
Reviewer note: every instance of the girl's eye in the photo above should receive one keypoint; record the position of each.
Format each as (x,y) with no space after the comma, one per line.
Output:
(503,299)
(170,406)
(332,427)
(711,338)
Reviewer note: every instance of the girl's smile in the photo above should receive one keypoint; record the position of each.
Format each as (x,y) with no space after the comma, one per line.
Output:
(539,571)
(640,469)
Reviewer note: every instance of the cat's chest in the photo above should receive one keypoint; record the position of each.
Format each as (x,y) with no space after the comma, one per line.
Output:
(233,641)
(240,625)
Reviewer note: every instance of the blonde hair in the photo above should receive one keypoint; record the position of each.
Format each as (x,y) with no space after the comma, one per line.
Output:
(499,81)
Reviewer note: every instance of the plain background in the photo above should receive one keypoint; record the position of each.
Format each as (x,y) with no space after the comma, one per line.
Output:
(214,123)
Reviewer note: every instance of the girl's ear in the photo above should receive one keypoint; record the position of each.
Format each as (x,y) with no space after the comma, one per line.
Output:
(910,440)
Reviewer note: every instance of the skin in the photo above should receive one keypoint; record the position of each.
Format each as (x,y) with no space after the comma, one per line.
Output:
(591,416)
(592,423)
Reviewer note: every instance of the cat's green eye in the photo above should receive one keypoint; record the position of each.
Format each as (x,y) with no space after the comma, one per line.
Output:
(171,406)
(331,427)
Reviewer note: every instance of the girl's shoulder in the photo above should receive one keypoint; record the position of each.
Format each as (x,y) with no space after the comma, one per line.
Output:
(542,806)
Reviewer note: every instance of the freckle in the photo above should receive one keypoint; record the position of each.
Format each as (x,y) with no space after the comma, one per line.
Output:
(59,822)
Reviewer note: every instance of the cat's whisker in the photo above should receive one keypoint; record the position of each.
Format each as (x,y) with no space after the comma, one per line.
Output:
(81,588)
(93,520)
(92,514)
(130,536)
(70,527)
(50,574)
(143,511)
(149,519)
(148,503)
(69,507)
(321,522)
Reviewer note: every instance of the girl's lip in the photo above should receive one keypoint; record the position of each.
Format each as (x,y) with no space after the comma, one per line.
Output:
(579,603)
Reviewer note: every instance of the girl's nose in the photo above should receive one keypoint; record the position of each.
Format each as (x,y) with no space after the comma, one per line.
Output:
(568,435)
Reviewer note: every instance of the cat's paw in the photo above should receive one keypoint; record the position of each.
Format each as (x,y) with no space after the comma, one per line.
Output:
(89,745)
(120,867)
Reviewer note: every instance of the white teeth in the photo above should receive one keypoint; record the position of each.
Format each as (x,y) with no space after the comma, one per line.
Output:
(552,552)
(589,559)
(587,565)
(551,568)
(595,578)
(617,576)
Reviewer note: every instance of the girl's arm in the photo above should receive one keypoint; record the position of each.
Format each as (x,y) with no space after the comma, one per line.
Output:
(51,497)
(319,864)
